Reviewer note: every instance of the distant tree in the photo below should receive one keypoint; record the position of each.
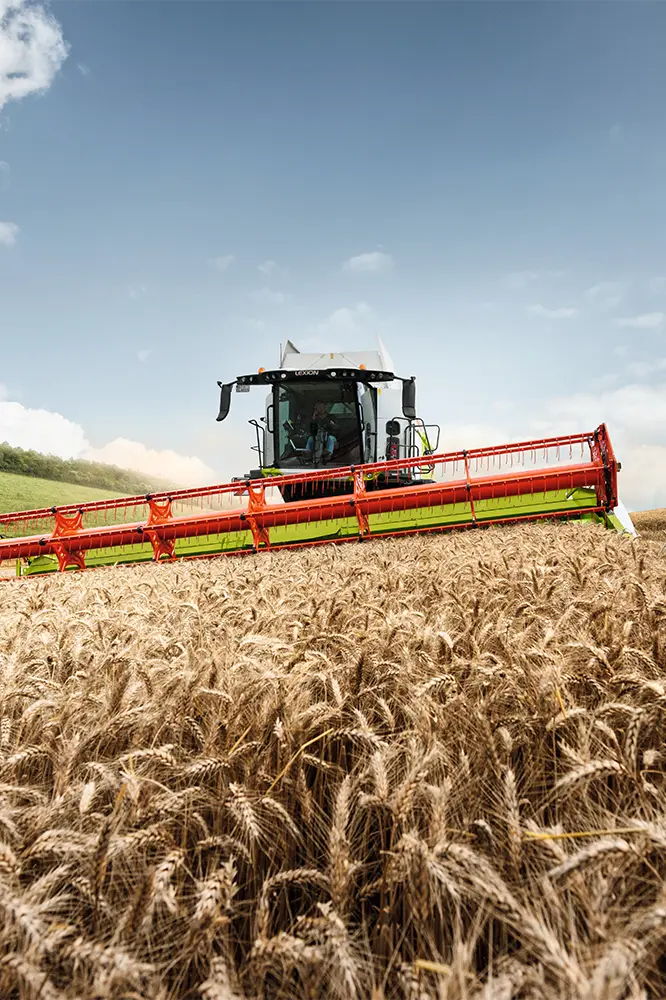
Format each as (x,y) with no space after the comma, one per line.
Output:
(77,471)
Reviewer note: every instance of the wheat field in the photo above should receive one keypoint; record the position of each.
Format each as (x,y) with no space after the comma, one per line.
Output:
(651,524)
(425,768)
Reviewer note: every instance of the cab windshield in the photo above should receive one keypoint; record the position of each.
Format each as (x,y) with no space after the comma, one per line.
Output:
(317,424)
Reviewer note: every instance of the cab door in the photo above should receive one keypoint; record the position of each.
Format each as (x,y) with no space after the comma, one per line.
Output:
(368,405)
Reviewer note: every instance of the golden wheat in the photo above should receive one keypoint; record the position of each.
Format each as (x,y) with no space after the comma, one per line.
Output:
(426,768)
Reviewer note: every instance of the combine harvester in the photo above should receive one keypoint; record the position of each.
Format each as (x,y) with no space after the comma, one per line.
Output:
(342,456)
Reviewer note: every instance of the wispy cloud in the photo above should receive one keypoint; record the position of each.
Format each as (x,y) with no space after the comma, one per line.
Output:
(636,417)
(143,355)
(521,279)
(162,463)
(83,69)
(136,291)
(641,369)
(562,313)
(605,294)
(222,263)
(54,434)
(4,392)
(646,321)
(270,296)
(657,285)
(32,49)
(517,281)
(369,263)
(270,267)
(341,328)
(8,233)
(5,174)
(348,319)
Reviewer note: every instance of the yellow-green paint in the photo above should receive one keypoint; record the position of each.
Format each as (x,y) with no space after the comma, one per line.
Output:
(554,502)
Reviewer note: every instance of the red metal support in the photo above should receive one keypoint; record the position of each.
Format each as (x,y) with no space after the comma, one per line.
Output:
(360,493)
(256,505)
(67,557)
(159,511)
(67,524)
(161,546)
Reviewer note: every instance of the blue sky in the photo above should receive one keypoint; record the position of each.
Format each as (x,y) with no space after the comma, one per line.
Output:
(184,185)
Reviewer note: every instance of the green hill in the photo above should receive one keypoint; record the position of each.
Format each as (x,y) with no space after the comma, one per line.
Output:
(98,475)
(29,492)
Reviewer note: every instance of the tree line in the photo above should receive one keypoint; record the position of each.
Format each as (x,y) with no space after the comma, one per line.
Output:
(75,470)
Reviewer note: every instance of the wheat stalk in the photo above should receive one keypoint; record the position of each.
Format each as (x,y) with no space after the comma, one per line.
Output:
(436,770)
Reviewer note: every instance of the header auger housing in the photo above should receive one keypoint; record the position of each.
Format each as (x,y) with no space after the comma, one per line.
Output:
(355,463)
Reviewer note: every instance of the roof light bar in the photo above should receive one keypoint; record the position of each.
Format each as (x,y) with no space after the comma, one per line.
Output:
(315,375)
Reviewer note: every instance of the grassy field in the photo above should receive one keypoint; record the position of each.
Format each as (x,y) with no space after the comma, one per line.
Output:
(28,492)
(426,769)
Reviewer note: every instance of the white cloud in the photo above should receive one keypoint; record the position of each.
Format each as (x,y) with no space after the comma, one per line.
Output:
(136,291)
(252,323)
(539,310)
(52,433)
(41,430)
(455,437)
(605,294)
(647,321)
(270,296)
(269,267)
(364,263)
(83,69)
(343,327)
(143,355)
(657,284)
(222,263)
(519,280)
(641,369)
(32,49)
(634,413)
(8,232)
(637,490)
(348,319)
(636,420)
(640,410)
(621,350)
(4,392)
(185,470)
(598,383)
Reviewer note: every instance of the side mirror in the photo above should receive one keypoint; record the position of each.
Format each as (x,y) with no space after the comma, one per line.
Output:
(409,398)
(225,400)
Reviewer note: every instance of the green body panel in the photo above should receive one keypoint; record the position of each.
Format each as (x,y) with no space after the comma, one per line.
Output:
(555,503)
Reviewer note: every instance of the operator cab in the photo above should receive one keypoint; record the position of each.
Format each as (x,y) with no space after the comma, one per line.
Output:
(318,424)
(331,411)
